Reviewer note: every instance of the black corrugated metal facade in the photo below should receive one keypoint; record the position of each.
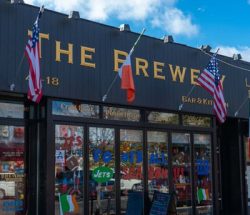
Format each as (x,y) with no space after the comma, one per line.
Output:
(163,74)
(92,83)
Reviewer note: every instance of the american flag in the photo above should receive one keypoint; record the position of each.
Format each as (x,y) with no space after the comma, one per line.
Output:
(32,53)
(210,81)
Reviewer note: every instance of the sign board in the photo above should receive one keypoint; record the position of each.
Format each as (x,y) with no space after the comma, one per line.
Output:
(60,156)
(11,206)
(102,174)
(203,167)
(135,203)
(160,203)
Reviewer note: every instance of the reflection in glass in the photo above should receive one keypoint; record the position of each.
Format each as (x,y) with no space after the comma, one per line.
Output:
(165,118)
(75,109)
(181,162)
(68,169)
(157,162)
(199,121)
(11,110)
(101,170)
(247,151)
(125,114)
(12,172)
(203,174)
(131,153)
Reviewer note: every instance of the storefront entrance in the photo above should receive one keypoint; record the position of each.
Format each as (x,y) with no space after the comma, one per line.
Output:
(98,163)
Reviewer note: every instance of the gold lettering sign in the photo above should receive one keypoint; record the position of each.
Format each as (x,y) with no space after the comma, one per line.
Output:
(141,65)
(159,70)
(194,76)
(177,72)
(86,56)
(199,101)
(68,52)
(117,60)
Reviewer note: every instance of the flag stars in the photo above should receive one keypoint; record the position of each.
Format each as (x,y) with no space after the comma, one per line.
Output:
(31,50)
(210,81)
(213,68)
(35,33)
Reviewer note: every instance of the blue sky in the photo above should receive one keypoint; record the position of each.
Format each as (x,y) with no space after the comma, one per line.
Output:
(223,24)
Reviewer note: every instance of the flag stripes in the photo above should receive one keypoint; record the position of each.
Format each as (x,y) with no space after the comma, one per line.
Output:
(127,81)
(32,54)
(210,81)
(68,203)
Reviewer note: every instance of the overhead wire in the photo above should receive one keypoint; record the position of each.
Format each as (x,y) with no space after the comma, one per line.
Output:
(229,64)
(237,67)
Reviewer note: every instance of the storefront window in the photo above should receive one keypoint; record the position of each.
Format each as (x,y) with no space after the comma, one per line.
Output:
(199,121)
(68,169)
(203,174)
(113,113)
(12,170)
(157,162)
(247,155)
(76,109)
(11,110)
(101,171)
(181,162)
(247,150)
(131,164)
(164,118)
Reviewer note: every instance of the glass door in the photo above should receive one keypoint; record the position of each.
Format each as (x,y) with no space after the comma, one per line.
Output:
(203,174)
(157,162)
(131,168)
(101,150)
(200,171)
(181,165)
(69,169)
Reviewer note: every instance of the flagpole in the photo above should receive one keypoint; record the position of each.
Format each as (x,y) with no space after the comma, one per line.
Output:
(191,90)
(189,93)
(12,86)
(242,104)
(133,47)
(130,52)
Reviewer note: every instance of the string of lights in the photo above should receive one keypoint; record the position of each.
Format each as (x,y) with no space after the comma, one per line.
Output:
(237,67)
(229,64)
